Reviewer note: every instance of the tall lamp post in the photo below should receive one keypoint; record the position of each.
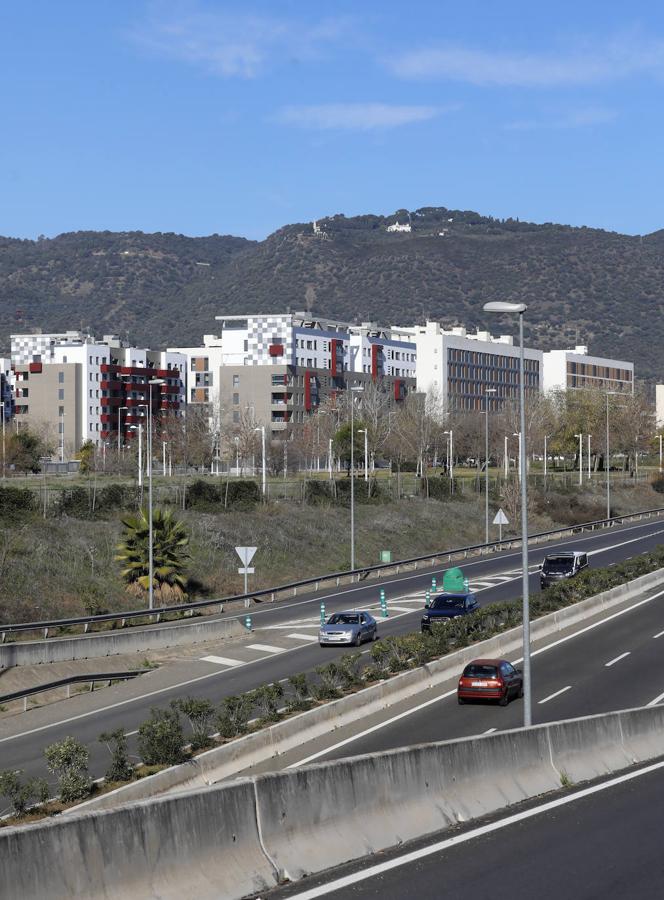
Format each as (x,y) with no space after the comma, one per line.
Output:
(546,457)
(580,437)
(517,434)
(487,391)
(261,428)
(607,463)
(4,475)
(354,390)
(588,456)
(451,465)
(151,382)
(519,309)
(364,431)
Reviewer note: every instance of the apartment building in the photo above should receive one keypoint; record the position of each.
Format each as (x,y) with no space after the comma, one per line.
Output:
(6,392)
(279,368)
(85,389)
(459,366)
(576,369)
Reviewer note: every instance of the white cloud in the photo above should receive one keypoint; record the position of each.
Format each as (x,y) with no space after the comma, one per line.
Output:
(578,118)
(590,64)
(356,116)
(234,45)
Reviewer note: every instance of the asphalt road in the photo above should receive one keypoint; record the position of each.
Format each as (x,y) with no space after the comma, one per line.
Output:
(23,749)
(578,845)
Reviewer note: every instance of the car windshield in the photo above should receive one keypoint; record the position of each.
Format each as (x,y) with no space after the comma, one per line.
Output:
(447,603)
(476,670)
(343,619)
(557,565)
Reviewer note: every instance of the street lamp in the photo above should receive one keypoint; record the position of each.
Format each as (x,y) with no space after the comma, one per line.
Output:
(364,431)
(487,391)
(261,428)
(519,309)
(451,465)
(355,389)
(62,434)
(151,382)
(580,437)
(607,463)
(2,410)
(506,461)
(546,457)
(517,434)
(588,455)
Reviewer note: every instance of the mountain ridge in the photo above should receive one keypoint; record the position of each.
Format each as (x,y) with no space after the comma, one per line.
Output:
(582,285)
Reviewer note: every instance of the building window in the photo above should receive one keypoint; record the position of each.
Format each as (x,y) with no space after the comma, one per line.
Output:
(236,399)
(246,346)
(236,416)
(236,381)
(61,377)
(61,394)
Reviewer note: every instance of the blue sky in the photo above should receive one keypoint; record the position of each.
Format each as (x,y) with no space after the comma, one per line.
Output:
(236,118)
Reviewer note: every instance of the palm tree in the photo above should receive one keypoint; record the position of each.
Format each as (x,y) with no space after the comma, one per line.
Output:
(169,543)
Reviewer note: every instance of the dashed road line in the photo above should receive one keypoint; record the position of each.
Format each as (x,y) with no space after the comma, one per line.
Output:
(223,661)
(303,637)
(557,694)
(657,700)
(265,648)
(658,635)
(617,659)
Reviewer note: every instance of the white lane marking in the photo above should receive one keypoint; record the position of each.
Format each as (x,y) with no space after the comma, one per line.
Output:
(450,693)
(356,737)
(302,637)
(617,659)
(622,544)
(556,694)
(658,635)
(657,700)
(265,648)
(482,585)
(223,661)
(405,609)
(379,869)
(489,731)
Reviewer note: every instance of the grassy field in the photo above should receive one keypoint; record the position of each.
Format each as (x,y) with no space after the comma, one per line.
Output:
(64,566)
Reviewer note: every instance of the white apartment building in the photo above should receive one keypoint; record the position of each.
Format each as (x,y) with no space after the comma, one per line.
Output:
(576,369)
(459,366)
(88,389)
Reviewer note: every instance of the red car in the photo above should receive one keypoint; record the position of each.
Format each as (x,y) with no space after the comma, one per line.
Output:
(490,679)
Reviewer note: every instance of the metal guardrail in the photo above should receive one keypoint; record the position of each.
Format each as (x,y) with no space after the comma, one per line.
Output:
(188,609)
(72,679)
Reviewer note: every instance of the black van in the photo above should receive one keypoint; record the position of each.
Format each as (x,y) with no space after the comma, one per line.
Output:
(565,564)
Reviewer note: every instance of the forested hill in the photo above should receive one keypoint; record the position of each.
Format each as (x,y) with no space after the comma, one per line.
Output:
(582,285)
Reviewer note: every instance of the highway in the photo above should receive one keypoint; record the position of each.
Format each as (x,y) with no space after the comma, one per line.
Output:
(284,642)
(598,841)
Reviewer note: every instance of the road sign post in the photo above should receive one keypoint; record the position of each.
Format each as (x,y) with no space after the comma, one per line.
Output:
(246,554)
(500,519)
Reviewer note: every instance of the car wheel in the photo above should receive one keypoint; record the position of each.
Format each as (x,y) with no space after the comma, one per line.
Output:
(519,693)
(460,700)
(358,639)
(505,699)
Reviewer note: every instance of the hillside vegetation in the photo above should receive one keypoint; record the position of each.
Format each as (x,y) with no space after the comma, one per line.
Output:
(582,285)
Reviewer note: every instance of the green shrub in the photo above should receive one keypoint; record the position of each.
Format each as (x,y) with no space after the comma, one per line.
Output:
(241,494)
(116,496)
(316,492)
(657,484)
(161,739)
(233,717)
(203,494)
(68,761)
(329,683)
(199,713)
(265,703)
(120,768)
(75,502)
(22,794)
(300,697)
(16,500)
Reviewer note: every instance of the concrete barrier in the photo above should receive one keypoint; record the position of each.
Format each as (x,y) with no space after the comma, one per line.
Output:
(203,845)
(226,761)
(110,643)
(245,836)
